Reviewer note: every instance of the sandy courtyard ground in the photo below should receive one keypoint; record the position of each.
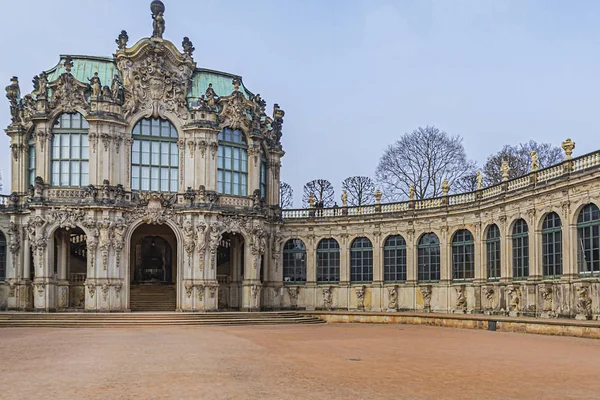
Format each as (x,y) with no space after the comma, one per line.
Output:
(295,362)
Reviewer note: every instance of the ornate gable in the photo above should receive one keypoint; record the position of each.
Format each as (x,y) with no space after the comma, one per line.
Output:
(156,78)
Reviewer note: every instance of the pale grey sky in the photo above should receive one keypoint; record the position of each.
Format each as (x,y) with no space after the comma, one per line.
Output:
(353,75)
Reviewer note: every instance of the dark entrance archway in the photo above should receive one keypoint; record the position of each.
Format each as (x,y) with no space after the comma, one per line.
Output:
(230,270)
(153,272)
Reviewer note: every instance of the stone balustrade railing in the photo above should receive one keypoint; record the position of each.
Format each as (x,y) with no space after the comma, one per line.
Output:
(77,277)
(567,167)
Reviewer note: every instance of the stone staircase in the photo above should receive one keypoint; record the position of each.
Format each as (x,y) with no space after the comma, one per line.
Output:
(153,298)
(148,319)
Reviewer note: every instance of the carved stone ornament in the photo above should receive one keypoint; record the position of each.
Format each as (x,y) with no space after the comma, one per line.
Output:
(234,112)
(189,239)
(514,294)
(155,78)
(360,297)
(392,297)
(277,242)
(461,299)
(327,298)
(546,293)
(426,293)
(489,293)
(583,303)
(69,94)
(293,292)
(67,217)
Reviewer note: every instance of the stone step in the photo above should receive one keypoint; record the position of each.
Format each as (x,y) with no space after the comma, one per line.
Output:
(153,298)
(65,320)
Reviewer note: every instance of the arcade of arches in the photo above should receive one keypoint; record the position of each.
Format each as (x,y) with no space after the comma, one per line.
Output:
(166,197)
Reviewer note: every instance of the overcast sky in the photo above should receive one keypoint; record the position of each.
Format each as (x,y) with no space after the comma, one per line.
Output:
(353,76)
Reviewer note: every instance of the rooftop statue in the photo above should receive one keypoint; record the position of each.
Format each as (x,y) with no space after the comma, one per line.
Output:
(158,26)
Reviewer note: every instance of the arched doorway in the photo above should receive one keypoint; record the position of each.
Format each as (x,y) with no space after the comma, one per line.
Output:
(230,270)
(153,272)
(70,267)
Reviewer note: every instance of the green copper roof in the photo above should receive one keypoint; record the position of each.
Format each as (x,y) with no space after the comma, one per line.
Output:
(221,81)
(84,68)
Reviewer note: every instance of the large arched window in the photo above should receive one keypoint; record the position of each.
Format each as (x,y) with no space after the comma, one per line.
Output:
(328,261)
(394,259)
(154,156)
(493,253)
(361,260)
(233,162)
(70,151)
(552,246)
(294,261)
(2,257)
(31,158)
(520,244)
(463,257)
(588,238)
(263,175)
(429,258)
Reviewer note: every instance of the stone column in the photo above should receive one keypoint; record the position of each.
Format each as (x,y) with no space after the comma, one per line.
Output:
(570,245)
(26,258)
(377,294)
(506,256)
(445,258)
(535,260)
(63,270)
(251,285)
(480,258)
(311,262)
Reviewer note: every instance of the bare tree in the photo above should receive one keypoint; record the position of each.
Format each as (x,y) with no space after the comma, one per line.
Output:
(519,160)
(286,195)
(322,190)
(360,190)
(423,158)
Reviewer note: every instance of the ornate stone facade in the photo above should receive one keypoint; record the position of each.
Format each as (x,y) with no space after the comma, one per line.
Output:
(54,227)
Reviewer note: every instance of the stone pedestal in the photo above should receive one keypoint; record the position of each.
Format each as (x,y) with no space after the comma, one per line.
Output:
(62,290)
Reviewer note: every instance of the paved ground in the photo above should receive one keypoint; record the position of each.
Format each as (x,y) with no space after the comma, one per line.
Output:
(295,362)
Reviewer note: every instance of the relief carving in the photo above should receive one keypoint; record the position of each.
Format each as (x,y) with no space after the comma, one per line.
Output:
(293,292)
(392,297)
(583,305)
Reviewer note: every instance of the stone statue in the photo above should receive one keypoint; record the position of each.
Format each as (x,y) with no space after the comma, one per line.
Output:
(584,304)
(461,300)
(505,169)
(116,89)
(327,298)
(40,85)
(535,164)
(13,93)
(311,200)
(210,97)
(411,193)
(158,25)
(445,187)
(479,180)
(344,198)
(122,40)
(188,46)
(392,298)
(95,84)
(360,297)
(426,293)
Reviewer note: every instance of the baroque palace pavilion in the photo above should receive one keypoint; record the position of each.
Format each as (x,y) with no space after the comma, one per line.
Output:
(144,182)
